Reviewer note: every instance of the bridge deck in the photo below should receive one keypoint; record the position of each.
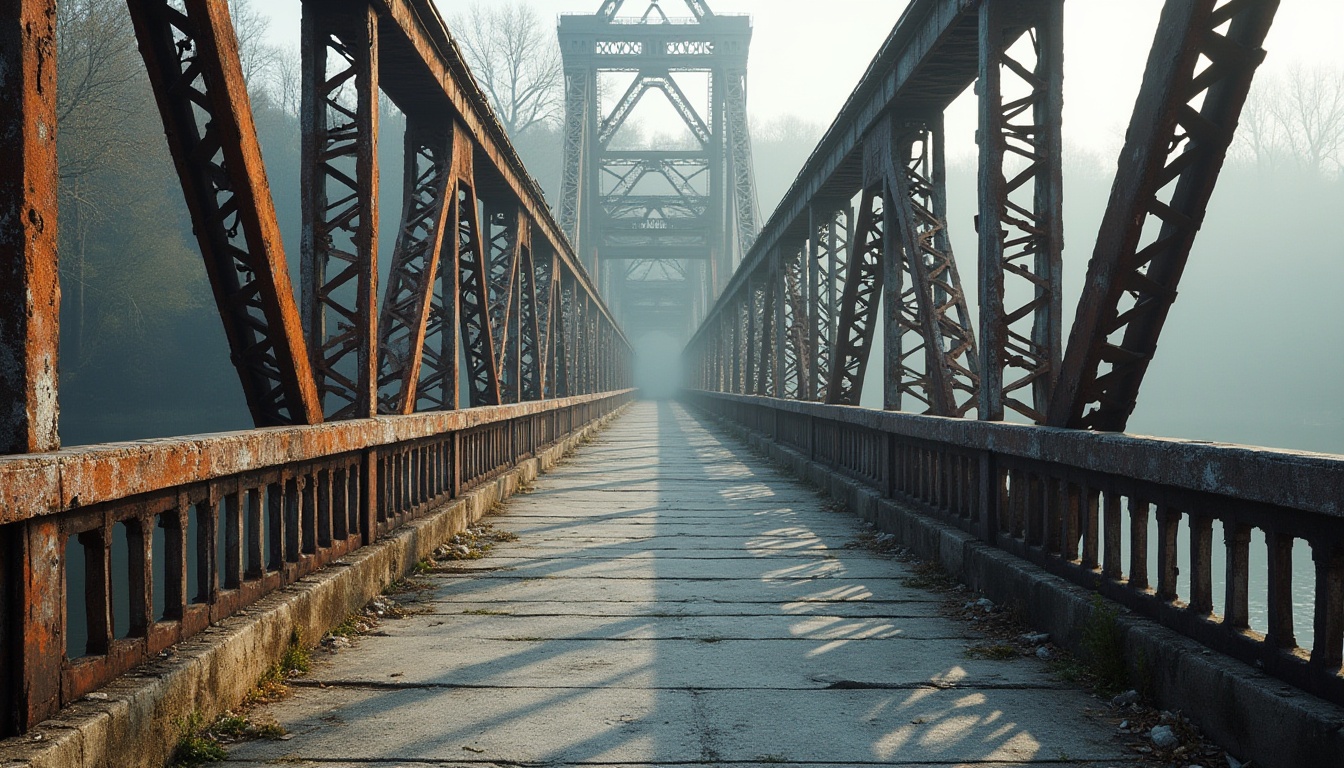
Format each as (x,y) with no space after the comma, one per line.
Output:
(672,600)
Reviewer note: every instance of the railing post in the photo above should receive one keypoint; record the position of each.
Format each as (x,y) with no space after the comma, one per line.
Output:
(34,587)
(888,465)
(29,280)
(368,496)
(455,466)
(811,437)
(989,497)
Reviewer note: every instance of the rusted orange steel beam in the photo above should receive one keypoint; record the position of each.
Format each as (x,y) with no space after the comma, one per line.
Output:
(424,73)
(30,589)
(193,64)
(42,484)
(247,512)
(29,289)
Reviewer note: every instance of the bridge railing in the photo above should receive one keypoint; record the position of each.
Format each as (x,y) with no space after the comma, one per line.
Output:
(136,546)
(109,554)
(1082,505)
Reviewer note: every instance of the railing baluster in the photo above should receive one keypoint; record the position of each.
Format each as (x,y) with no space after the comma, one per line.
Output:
(1091,532)
(1111,522)
(97,545)
(1327,651)
(233,540)
(1236,608)
(1201,564)
(1138,543)
(1280,598)
(1168,534)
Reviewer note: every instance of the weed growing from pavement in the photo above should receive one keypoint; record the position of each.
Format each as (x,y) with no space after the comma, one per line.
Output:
(994,651)
(1103,647)
(195,745)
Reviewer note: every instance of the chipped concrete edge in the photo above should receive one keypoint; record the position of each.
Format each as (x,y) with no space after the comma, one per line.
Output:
(134,721)
(1256,717)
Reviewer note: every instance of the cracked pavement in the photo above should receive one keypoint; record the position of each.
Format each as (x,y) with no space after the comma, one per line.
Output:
(674,600)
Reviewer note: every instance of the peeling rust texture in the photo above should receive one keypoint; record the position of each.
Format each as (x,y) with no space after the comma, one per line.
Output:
(424,72)
(33,486)
(310,495)
(30,293)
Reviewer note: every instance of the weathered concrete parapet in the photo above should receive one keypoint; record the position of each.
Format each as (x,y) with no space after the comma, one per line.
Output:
(923,479)
(132,722)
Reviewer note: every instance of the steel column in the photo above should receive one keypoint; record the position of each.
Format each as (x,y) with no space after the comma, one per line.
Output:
(415,264)
(193,65)
(1021,216)
(340,203)
(859,303)
(949,380)
(1183,123)
(30,293)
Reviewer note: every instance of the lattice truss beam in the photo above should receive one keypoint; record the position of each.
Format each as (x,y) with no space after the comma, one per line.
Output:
(738,131)
(930,317)
(1196,84)
(191,56)
(410,301)
(484,292)
(580,85)
(1021,205)
(340,205)
(1199,73)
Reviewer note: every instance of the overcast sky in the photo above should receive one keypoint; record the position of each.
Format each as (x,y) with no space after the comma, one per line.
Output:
(805,62)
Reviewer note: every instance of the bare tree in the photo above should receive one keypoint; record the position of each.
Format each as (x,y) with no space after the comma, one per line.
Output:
(1311,111)
(97,81)
(516,59)
(1296,118)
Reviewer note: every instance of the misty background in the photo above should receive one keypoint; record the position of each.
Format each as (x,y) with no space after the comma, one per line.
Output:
(1250,353)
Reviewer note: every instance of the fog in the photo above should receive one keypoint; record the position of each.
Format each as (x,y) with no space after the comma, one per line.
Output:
(1250,353)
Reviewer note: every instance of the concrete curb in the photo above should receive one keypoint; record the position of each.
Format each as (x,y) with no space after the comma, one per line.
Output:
(132,722)
(1255,716)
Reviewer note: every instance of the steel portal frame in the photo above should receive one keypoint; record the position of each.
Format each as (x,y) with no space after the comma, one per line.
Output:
(679,214)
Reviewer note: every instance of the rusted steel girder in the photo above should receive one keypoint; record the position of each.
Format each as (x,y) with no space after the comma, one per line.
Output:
(30,294)
(534,275)
(415,264)
(340,202)
(935,304)
(797,361)
(194,68)
(1021,215)
(432,65)
(473,296)
(1177,141)
(830,235)
(859,302)
(507,230)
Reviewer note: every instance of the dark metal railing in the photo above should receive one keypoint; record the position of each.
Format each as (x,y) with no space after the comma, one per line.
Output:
(210,524)
(1131,517)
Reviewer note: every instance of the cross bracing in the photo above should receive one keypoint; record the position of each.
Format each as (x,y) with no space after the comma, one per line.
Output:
(640,214)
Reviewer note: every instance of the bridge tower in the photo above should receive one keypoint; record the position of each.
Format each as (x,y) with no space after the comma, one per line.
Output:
(662,227)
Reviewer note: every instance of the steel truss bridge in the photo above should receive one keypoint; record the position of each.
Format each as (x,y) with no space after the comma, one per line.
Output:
(661,227)
(492,342)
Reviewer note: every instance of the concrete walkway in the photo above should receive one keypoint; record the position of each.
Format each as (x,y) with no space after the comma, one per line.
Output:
(673,600)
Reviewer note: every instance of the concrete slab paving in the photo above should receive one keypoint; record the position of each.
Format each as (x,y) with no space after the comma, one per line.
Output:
(673,601)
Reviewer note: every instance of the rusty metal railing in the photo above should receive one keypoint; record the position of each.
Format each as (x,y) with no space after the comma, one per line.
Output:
(233,517)
(1082,504)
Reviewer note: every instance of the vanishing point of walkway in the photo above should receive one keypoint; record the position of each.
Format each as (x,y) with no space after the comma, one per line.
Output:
(672,600)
